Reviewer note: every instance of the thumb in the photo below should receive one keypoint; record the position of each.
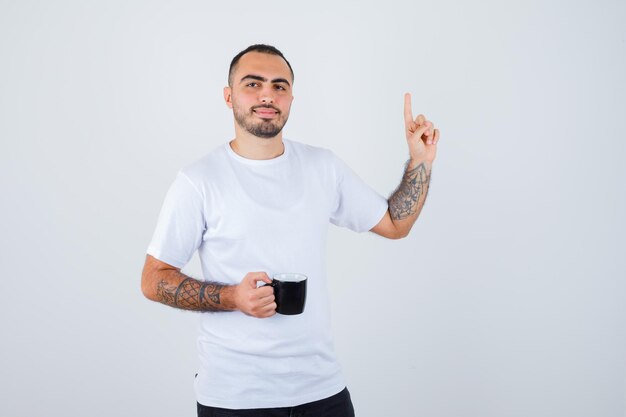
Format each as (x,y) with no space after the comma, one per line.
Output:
(264,277)
(254,277)
(420,131)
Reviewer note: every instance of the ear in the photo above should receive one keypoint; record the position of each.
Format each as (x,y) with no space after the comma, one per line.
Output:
(227,97)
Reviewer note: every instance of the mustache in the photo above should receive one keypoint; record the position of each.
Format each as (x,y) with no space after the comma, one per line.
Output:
(266,107)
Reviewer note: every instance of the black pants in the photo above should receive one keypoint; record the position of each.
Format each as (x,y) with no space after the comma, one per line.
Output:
(339,405)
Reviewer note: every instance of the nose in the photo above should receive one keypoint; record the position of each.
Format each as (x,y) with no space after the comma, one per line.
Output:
(267,95)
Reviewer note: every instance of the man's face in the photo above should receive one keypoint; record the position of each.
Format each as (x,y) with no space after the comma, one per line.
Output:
(261,94)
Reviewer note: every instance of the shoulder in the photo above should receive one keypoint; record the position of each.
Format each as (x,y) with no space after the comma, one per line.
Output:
(311,152)
(207,167)
(327,165)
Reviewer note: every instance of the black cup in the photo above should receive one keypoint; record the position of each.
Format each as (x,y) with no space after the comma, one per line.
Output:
(289,293)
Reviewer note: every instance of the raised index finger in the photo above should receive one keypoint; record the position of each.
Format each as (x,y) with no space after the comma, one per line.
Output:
(408,113)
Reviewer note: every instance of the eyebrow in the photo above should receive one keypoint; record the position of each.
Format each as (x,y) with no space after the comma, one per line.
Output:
(259,78)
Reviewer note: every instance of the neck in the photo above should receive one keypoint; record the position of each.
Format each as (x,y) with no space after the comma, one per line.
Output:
(254,147)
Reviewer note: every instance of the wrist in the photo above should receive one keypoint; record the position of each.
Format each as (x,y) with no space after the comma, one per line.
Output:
(228,297)
(414,163)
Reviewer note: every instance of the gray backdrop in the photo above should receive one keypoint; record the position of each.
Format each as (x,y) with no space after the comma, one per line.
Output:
(507,298)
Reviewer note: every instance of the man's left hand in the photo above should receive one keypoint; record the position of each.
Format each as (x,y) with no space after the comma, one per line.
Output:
(421,135)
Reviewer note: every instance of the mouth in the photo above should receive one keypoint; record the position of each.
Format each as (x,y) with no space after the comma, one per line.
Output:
(265,113)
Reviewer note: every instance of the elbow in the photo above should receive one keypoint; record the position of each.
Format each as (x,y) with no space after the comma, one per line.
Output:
(146,290)
(400,235)
(153,274)
(147,287)
(393,235)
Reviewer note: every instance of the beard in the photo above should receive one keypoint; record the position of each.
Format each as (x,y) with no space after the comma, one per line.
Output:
(262,128)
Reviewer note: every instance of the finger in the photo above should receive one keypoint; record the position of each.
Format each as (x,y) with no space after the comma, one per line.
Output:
(429,131)
(262,276)
(420,132)
(270,311)
(420,119)
(431,134)
(266,299)
(436,138)
(251,279)
(408,113)
(264,291)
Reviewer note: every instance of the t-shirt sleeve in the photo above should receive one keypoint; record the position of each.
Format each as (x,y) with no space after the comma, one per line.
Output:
(181,224)
(357,206)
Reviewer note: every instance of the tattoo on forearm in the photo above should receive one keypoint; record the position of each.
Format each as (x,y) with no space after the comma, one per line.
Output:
(411,194)
(191,294)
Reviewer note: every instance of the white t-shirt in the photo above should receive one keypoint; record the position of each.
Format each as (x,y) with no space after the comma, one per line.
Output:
(245,215)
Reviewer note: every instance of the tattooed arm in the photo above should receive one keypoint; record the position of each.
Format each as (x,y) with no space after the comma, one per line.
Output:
(406,203)
(165,284)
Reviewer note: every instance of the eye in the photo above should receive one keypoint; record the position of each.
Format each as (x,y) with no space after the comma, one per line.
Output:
(280,87)
(249,84)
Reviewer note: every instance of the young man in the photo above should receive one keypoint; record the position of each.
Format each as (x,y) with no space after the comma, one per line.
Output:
(259,205)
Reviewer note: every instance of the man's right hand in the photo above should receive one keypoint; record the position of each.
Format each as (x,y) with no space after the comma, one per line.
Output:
(253,301)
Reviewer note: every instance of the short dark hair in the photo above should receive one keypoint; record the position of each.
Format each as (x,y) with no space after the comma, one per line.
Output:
(265,49)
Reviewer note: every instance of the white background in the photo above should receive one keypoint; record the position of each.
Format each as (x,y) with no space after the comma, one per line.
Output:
(508,297)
